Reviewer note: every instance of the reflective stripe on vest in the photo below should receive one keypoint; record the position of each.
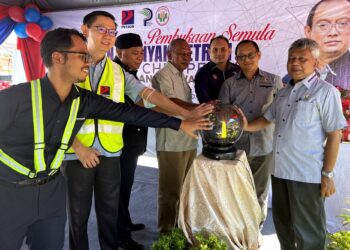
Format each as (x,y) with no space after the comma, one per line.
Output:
(39,136)
(111,86)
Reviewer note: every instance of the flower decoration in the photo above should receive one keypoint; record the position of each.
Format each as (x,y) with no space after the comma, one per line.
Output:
(345,101)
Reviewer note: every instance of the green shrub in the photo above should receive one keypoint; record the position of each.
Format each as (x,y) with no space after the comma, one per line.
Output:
(174,240)
(211,242)
(341,240)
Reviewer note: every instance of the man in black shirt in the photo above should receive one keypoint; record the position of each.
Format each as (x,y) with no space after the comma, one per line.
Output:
(33,205)
(209,78)
(129,56)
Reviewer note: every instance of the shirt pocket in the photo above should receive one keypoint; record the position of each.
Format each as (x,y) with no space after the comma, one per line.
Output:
(304,113)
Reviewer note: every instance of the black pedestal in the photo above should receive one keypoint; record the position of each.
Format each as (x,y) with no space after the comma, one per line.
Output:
(219,152)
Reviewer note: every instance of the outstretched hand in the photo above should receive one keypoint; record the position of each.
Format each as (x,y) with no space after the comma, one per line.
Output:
(245,121)
(200,111)
(190,126)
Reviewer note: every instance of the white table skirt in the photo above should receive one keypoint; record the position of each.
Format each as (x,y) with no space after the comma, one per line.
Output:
(219,197)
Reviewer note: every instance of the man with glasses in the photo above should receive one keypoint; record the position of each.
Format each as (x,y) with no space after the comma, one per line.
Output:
(308,119)
(175,151)
(92,164)
(209,78)
(253,89)
(328,23)
(38,123)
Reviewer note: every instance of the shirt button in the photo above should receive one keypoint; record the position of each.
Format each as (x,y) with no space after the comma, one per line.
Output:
(283,120)
(278,153)
(138,129)
(250,111)
(251,102)
(288,105)
(58,121)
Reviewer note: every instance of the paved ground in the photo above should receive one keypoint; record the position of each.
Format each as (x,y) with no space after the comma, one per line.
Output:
(144,209)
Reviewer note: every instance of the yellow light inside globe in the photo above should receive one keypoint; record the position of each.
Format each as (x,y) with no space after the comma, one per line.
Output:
(223,129)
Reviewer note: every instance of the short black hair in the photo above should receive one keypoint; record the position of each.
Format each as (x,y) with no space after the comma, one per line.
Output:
(310,17)
(245,42)
(219,37)
(90,18)
(56,40)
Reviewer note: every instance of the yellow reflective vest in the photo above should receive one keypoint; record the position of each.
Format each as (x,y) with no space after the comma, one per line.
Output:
(109,133)
(39,137)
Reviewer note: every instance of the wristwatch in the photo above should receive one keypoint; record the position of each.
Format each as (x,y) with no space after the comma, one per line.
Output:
(329,175)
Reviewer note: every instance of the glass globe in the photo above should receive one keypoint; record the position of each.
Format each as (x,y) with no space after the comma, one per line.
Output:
(227,128)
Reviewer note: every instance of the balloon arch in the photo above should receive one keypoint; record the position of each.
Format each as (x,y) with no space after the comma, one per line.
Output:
(30,27)
(29,22)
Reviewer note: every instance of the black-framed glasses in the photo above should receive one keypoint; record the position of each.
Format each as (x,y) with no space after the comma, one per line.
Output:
(103,30)
(327,26)
(250,55)
(86,57)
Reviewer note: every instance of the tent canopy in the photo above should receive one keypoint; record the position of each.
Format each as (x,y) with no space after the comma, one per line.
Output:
(54,5)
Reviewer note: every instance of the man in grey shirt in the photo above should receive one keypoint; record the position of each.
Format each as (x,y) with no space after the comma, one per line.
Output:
(253,90)
(308,119)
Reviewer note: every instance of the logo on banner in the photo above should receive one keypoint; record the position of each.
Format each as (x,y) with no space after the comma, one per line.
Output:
(105,91)
(148,16)
(162,15)
(128,19)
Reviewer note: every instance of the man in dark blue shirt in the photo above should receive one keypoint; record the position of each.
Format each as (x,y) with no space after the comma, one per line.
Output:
(209,78)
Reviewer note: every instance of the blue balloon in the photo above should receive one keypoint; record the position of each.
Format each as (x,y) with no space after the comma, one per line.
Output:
(32,15)
(45,23)
(20,30)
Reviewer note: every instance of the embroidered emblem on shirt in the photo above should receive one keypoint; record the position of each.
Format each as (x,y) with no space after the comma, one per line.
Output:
(307,97)
(105,90)
(215,77)
(264,83)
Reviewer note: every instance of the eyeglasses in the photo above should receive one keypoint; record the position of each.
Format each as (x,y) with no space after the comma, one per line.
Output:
(103,30)
(250,55)
(327,26)
(86,57)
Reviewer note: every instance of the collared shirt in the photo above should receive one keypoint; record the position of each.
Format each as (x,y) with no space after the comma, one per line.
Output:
(209,78)
(341,68)
(303,113)
(132,88)
(253,97)
(132,135)
(172,83)
(322,73)
(16,126)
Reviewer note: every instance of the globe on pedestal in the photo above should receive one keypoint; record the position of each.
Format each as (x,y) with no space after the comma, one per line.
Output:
(227,128)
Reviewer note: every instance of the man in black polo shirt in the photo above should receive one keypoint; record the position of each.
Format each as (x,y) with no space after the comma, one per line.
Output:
(33,205)
(209,78)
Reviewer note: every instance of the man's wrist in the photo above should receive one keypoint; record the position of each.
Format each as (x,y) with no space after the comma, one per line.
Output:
(328,174)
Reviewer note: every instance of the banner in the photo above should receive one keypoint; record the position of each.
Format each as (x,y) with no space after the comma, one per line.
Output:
(274,25)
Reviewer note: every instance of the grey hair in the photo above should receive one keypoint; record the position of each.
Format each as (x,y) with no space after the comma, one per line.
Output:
(306,43)
(174,43)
